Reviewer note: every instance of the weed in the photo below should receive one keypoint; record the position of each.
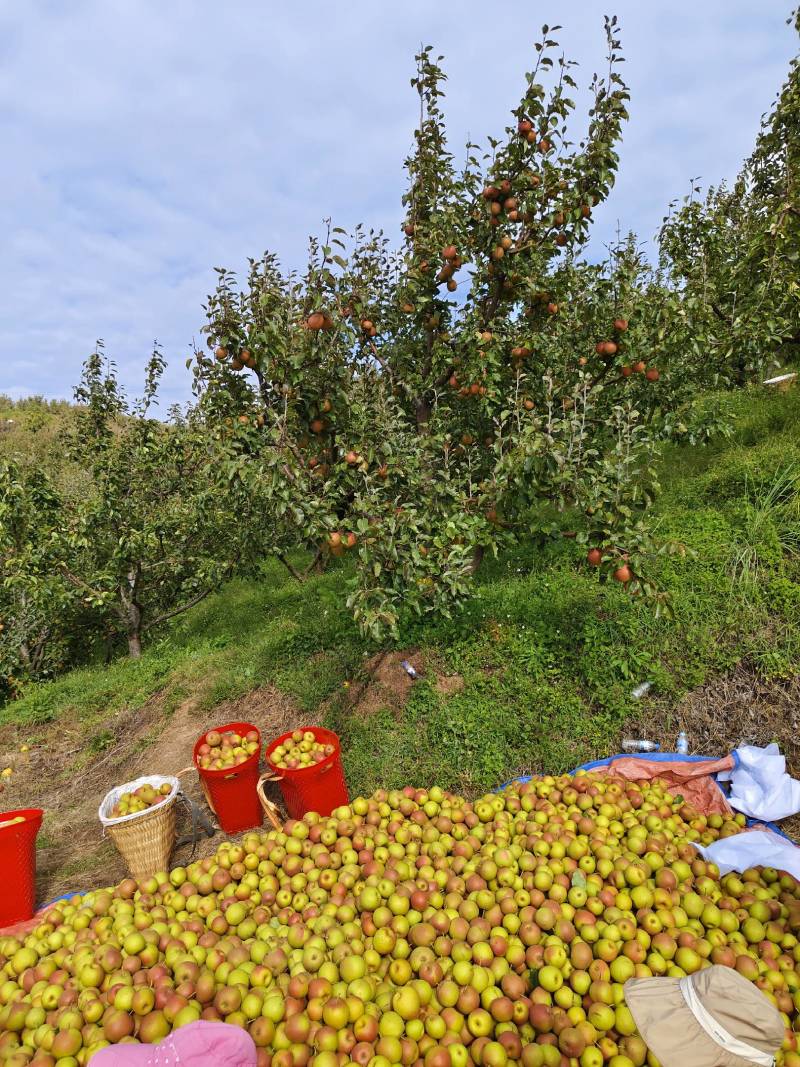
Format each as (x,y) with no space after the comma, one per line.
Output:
(770,529)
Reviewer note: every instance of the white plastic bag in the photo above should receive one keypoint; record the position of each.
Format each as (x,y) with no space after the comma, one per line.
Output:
(754,848)
(760,786)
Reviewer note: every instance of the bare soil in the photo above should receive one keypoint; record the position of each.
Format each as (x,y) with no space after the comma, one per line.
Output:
(73,856)
(384,683)
(449,684)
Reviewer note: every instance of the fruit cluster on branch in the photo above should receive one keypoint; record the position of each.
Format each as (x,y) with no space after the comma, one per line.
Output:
(418,427)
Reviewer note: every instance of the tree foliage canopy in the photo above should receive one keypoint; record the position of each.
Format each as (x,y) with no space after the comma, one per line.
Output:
(414,406)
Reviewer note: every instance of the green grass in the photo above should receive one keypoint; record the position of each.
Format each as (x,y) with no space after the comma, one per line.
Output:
(548,655)
(251,634)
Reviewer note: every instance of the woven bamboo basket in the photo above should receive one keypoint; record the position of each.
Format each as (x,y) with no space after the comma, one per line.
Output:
(270,809)
(144,840)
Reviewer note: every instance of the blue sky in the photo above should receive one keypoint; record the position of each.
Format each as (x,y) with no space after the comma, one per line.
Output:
(147,142)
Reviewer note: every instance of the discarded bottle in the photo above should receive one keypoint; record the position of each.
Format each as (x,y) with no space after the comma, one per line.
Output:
(408,669)
(633,745)
(682,746)
(640,690)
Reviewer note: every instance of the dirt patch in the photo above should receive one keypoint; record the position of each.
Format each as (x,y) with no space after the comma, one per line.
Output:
(58,776)
(449,684)
(384,683)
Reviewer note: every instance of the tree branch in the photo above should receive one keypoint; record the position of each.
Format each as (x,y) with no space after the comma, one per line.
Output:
(79,583)
(380,360)
(314,561)
(445,376)
(721,314)
(263,391)
(179,610)
(491,302)
(295,573)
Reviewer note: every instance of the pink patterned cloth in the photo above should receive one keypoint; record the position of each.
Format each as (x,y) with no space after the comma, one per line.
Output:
(200,1044)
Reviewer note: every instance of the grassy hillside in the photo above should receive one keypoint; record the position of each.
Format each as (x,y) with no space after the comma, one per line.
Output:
(31,432)
(535,673)
(30,426)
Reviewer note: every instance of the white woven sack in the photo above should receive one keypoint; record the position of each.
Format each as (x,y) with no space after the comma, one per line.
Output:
(113,795)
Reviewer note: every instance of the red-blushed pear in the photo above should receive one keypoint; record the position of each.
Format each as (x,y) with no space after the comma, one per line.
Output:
(118,1024)
(362,1053)
(571,1042)
(541,1018)
(153,1028)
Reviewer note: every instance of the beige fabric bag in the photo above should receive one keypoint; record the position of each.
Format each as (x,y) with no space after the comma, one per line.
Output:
(713,1018)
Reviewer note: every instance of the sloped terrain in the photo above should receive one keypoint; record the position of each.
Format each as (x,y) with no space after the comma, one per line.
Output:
(535,673)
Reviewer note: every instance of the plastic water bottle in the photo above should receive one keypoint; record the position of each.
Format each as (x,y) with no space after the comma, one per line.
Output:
(634,745)
(641,690)
(409,669)
(682,746)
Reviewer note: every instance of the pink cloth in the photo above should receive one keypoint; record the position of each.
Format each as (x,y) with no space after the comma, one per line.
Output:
(693,780)
(200,1044)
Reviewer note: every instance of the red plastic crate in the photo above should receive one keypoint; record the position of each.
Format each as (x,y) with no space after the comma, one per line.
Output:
(232,793)
(321,787)
(18,864)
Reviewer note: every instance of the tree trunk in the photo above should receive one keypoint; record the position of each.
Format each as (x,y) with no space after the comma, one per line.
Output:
(24,647)
(295,573)
(134,621)
(132,613)
(318,560)
(477,559)
(423,413)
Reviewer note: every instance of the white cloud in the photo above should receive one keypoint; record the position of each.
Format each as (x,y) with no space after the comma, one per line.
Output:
(147,143)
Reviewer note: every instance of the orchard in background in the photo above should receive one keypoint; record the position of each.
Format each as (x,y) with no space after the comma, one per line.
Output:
(733,256)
